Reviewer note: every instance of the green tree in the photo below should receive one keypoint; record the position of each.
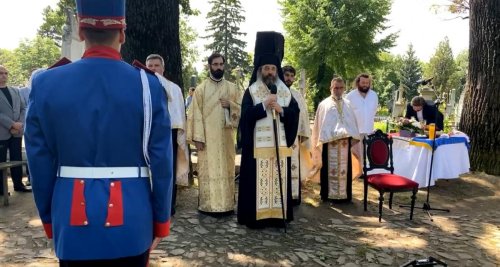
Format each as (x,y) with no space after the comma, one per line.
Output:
(189,52)
(459,78)
(40,52)
(481,113)
(410,73)
(441,67)
(54,19)
(335,37)
(224,21)
(8,60)
(386,78)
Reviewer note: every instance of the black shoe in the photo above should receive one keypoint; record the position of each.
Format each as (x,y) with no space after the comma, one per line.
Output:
(23,189)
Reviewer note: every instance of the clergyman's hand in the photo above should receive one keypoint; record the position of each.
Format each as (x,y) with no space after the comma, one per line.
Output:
(270,99)
(199,146)
(224,103)
(277,107)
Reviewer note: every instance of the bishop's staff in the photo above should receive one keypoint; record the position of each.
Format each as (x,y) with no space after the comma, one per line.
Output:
(273,89)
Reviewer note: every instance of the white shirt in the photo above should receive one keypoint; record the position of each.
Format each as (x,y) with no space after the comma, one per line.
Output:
(365,109)
(420,115)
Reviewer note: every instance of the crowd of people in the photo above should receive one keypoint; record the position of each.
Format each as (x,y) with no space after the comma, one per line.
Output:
(108,142)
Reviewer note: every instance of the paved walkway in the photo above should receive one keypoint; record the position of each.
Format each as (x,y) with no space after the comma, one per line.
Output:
(321,234)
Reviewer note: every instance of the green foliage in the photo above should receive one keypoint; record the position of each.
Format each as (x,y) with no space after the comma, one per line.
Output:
(459,6)
(459,78)
(224,21)
(30,55)
(189,52)
(410,73)
(386,78)
(335,37)
(54,19)
(186,8)
(441,67)
(381,125)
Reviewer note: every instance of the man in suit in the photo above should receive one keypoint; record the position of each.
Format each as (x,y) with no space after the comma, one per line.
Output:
(12,113)
(98,140)
(421,111)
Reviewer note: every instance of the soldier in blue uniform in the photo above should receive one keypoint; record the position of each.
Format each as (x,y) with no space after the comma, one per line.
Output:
(98,140)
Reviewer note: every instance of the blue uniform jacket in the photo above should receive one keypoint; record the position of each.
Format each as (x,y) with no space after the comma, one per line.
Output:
(90,114)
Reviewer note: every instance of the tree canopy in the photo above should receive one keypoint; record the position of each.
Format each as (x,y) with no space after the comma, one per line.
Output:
(335,37)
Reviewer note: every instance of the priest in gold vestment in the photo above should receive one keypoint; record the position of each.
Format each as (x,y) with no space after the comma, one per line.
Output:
(212,118)
(335,131)
(301,148)
(261,202)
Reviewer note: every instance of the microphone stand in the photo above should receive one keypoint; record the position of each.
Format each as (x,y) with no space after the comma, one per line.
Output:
(276,145)
(427,206)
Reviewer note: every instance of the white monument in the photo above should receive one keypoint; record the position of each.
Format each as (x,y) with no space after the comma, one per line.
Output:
(450,105)
(72,47)
(399,103)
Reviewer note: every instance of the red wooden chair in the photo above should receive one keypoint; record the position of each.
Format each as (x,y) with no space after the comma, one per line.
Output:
(378,155)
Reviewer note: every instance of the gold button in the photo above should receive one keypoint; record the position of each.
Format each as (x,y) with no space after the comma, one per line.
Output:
(85,223)
(82,181)
(112,184)
(108,224)
(110,205)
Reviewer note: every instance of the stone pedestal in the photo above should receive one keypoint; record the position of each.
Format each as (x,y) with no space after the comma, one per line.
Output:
(72,48)
(399,105)
(428,94)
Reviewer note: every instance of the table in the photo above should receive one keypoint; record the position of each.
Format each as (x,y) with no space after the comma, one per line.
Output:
(412,158)
(3,167)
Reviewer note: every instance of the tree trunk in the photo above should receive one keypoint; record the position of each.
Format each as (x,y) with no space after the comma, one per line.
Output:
(153,28)
(481,111)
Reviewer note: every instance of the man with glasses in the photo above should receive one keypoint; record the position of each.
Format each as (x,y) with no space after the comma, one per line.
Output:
(212,118)
(334,125)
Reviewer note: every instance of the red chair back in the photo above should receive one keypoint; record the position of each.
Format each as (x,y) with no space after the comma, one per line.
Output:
(377,152)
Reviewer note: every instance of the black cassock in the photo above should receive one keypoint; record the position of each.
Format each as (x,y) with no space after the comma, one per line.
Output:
(247,203)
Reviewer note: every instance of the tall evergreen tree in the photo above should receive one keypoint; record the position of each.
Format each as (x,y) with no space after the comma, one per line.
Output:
(410,73)
(224,21)
(442,66)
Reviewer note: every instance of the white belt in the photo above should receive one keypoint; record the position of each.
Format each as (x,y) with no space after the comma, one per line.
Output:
(103,172)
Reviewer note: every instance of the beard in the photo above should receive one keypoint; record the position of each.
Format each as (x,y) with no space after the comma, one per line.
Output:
(217,74)
(288,83)
(363,89)
(269,79)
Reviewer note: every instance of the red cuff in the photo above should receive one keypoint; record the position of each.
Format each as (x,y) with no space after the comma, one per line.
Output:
(48,229)
(162,229)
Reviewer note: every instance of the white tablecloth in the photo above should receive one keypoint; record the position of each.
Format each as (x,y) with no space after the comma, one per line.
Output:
(413,161)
